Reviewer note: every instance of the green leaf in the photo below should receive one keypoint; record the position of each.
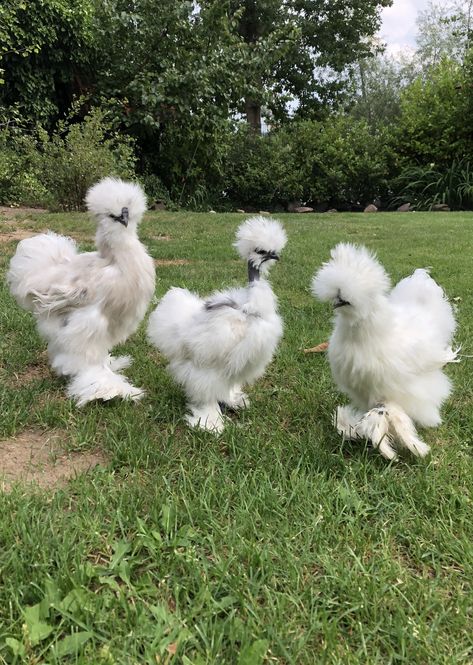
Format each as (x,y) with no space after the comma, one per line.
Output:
(17,647)
(74,601)
(168,516)
(254,654)
(71,644)
(121,548)
(38,630)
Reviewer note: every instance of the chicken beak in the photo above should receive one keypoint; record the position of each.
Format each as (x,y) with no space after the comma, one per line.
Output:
(339,302)
(123,219)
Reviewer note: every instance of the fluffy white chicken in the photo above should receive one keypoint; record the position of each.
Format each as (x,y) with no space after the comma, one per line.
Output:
(85,304)
(216,345)
(387,349)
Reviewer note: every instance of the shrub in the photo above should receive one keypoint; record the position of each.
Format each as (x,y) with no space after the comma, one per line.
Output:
(77,155)
(261,171)
(155,189)
(20,164)
(432,126)
(338,162)
(191,158)
(425,186)
(341,161)
(57,170)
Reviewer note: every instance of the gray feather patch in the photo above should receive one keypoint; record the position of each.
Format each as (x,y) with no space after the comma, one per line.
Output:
(218,303)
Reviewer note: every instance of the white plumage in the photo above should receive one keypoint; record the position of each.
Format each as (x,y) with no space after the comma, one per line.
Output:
(387,349)
(216,345)
(85,304)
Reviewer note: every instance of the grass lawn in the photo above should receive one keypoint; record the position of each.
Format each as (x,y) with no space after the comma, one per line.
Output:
(272,543)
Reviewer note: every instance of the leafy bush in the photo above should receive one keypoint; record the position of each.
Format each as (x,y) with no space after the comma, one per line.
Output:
(432,126)
(20,166)
(77,155)
(338,162)
(261,171)
(190,159)
(57,170)
(426,186)
(341,161)
(155,189)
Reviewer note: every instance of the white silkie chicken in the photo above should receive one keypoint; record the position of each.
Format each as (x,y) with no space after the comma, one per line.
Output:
(387,349)
(85,304)
(216,345)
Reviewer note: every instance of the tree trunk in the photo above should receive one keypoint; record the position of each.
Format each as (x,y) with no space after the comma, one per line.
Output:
(253,115)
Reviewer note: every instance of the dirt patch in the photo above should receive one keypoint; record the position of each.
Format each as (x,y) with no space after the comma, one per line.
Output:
(21,210)
(39,458)
(37,370)
(22,234)
(172,262)
(10,236)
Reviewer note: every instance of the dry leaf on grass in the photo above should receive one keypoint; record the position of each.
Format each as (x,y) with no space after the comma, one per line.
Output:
(320,348)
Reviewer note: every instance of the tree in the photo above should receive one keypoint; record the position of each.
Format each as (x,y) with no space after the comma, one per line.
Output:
(294,43)
(377,85)
(45,55)
(443,32)
(176,73)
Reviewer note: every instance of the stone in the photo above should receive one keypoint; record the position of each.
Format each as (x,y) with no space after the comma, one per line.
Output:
(332,210)
(240,211)
(302,209)
(158,205)
(212,212)
(371,208)
(264,212)
(405,207)
(440,207)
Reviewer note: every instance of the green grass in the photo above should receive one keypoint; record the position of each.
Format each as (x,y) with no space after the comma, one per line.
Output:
(273,543)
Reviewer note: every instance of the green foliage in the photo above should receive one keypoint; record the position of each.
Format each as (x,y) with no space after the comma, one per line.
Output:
(377,85)
(342,161)
(79,154)
(192,160)
(339,162)
(46,50)
(176,75)
(56,170)
(292,47)
(443,31)
(261,170)
(432,123)
(20,168)
(155,189)
(426,186)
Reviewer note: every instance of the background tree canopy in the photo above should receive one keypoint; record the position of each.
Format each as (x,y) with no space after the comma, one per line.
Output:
(177,81)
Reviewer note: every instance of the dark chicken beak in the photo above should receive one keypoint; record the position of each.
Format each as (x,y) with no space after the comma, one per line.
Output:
(253,270)
(122,218)
(267,255)
(339,302)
